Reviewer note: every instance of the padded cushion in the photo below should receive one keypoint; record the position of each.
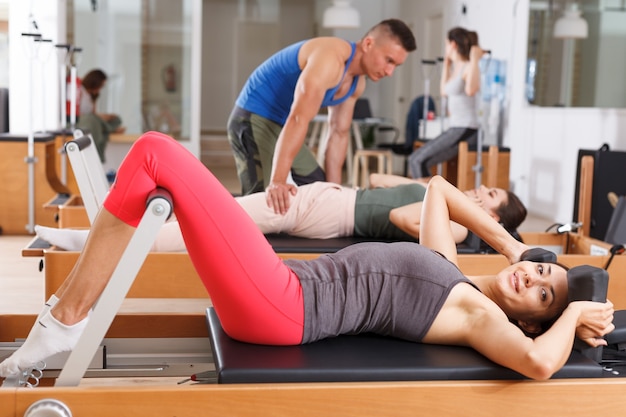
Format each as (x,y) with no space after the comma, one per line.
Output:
(37,137)
(361,358)
(586,282)
(284,243)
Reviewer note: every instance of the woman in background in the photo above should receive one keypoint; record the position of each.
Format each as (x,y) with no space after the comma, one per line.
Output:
(460,81)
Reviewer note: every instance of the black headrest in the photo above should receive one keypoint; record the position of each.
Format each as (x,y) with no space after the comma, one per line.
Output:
(538,255)
(587,283)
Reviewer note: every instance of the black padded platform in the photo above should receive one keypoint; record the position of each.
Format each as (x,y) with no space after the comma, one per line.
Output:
(284,243)
(361,358)
(60,199)
(37,137)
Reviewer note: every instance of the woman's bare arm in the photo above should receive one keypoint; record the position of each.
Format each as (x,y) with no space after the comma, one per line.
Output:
(472,71)
(541,357)
(407,218)
(469,318)
(443,202)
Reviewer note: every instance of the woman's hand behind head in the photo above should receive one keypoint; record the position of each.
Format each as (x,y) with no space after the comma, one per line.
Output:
(595,320)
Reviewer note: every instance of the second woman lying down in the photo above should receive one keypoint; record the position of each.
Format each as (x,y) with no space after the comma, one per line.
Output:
(325,210)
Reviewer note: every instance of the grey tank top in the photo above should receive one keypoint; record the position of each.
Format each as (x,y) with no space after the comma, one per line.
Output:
(462,108)
(390,289)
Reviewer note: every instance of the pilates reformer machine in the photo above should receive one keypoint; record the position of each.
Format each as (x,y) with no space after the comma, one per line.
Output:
(354,375)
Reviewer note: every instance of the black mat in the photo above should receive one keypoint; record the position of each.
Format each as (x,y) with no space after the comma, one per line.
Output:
(284,243)
(362,358)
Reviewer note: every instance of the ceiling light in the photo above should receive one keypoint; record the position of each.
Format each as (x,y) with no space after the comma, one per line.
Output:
(571,25)
(341,15)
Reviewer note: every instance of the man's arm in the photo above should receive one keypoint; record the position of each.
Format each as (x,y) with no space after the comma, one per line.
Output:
(339,124)
(322,70)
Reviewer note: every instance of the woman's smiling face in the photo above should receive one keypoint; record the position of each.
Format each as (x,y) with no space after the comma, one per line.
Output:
(532,292)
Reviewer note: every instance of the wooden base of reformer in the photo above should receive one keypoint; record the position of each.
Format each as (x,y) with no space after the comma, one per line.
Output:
(575,398)
(184,317)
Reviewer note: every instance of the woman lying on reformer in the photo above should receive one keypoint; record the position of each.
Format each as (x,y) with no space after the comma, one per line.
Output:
(324,210)
(406,290)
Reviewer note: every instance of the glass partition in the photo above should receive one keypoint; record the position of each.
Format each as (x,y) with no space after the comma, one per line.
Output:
(146,48)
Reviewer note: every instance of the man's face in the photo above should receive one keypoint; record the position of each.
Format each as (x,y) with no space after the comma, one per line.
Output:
(381,56)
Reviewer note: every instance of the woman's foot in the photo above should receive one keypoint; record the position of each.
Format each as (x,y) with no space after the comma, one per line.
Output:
(47,337)
(68,239)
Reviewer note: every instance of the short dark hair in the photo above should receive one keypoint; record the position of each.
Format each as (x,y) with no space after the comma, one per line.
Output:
(512,212)
(399,30)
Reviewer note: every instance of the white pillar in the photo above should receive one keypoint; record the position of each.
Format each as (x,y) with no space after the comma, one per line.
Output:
(48,19)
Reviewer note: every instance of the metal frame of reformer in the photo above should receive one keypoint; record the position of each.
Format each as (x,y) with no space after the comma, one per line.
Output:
(158,209)
(90,177)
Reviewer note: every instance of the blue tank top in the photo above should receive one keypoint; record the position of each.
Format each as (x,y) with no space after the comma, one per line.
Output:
(269,90)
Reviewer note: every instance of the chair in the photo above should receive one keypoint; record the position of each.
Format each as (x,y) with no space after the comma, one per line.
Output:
(363,117)
(384,164)
(496,169)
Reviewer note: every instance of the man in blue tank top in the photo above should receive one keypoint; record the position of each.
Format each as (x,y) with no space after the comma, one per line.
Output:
(269,122)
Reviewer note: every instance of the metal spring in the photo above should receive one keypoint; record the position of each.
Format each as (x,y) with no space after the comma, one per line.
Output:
(33,374)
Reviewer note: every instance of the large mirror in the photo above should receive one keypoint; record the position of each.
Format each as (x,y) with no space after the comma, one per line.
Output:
(572,68)
(144,47)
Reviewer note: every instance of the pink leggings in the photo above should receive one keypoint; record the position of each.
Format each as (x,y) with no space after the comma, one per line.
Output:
(256,296)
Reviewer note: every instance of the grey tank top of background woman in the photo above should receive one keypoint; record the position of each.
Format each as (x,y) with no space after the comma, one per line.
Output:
(390,289)
(462,108)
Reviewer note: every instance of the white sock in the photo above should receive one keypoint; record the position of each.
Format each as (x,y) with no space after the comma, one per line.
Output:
(68,239)
(47,337)
(49,304)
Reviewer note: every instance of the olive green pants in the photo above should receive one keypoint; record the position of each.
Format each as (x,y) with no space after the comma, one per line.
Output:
(253,140)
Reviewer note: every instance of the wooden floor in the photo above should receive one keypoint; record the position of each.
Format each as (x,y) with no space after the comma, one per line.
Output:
(21,282)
